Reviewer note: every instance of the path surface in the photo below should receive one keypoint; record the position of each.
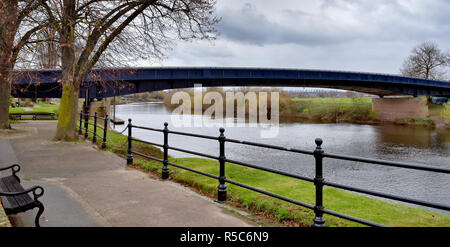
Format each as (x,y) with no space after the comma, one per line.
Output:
(87,187)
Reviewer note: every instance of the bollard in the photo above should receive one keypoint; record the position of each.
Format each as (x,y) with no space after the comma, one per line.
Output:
(86,122)
(222,188)
(130,154)
(80,130)
(105,130)
(165,169)
(94,138)
(319,221)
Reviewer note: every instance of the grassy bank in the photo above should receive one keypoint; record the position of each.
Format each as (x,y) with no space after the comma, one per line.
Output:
(445,113)
(321,110)
(335,110)
(382,212)
(41,107)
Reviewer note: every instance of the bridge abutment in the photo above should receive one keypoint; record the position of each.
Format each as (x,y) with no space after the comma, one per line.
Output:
(390,109)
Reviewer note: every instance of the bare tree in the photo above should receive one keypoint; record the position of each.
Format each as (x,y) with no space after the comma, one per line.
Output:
(116,31)
(17,26)
(426,61)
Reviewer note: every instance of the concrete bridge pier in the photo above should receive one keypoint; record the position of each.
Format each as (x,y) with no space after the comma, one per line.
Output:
(390,109)
(102,107)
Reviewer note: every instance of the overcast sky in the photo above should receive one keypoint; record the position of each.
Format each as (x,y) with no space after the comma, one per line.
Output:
(366,35)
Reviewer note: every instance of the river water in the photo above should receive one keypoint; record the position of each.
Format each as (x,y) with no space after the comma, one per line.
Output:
(416,145)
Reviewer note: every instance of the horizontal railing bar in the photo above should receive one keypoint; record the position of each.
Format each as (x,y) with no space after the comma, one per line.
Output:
(176,165)
(351,218)
(270,170)
(389,196)
(192,170)
(146,128)
(387,163)
(270,194)
(269,146)
(147,142)
(146,156)
(193,152)
(100,127)
(102,118)
(193,135)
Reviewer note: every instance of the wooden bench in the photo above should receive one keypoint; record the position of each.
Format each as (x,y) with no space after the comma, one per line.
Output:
(34,115)
(15,198)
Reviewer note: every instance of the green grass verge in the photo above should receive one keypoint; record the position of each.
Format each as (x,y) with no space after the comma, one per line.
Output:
(42,107)
(382,212)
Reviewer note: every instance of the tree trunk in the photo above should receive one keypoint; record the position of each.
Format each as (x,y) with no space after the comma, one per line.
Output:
(68,113)
(67,119)
(8,29)
(5,91)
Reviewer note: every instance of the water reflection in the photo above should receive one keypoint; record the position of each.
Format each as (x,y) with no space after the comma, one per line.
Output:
(390,142)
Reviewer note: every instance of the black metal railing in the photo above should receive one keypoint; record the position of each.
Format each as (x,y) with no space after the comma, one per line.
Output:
(84,121)
(319,182)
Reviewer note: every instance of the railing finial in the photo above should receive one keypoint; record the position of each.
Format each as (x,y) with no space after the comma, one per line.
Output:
(319,142)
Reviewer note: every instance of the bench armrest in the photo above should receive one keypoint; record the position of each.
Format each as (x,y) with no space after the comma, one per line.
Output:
(15,168)
(38,191)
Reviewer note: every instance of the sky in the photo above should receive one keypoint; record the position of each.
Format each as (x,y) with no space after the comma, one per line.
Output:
(351,35)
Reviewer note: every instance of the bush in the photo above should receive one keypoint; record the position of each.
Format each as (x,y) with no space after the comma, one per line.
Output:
(446,114)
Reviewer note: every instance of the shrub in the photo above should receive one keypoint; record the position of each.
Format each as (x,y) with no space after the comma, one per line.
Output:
(446,114)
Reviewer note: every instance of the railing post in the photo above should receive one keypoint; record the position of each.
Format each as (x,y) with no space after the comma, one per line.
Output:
(86,122)
(319,221)
(222,188)
(130,155)
(94,139)
(105,130)
(165,169)
(80,130)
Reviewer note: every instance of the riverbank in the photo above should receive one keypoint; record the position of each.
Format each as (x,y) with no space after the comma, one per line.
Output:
(326,110)
(382,212)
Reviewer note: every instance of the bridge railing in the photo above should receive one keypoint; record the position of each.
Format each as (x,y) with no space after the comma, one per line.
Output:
(319,182)
(99,123)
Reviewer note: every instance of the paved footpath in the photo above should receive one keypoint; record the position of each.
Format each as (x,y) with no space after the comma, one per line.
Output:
(87,187)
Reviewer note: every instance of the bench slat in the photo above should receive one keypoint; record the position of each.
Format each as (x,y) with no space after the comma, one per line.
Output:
(14,186)
(24,199)
(9,202)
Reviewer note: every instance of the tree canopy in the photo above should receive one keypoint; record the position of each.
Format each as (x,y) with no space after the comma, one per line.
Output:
(427,61)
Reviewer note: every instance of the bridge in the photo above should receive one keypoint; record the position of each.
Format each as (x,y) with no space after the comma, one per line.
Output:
(104,83)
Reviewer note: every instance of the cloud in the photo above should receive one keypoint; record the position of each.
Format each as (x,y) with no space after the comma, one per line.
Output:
(251,26)
(363,35)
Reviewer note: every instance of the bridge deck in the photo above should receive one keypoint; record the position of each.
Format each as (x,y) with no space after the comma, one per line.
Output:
(120,81)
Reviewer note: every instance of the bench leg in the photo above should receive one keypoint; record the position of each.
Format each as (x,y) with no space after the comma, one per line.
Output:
(41,210)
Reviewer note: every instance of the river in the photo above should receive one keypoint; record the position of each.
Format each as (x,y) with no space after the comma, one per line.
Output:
(418,145)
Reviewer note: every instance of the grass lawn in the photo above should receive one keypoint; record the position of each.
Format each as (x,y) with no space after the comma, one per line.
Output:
(41,107)
(382,212)
(37,108)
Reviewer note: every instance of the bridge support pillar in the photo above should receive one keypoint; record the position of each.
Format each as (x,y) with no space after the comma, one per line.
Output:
(99,106)
(390,109)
